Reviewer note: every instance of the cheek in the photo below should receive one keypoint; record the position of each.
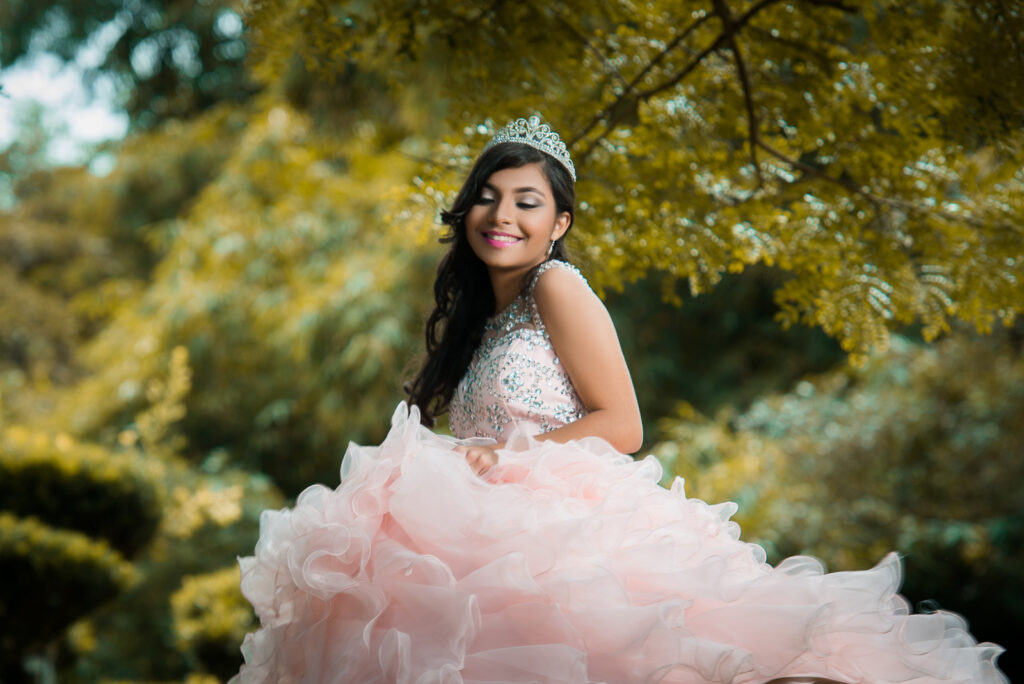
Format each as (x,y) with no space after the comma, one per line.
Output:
(475,216)
(543,224)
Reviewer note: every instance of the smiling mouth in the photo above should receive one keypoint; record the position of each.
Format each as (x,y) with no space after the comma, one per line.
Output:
(501,239)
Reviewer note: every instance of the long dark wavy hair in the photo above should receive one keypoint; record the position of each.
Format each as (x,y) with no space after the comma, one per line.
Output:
(463,299)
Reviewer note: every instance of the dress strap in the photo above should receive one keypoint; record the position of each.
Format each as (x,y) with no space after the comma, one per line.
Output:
(554,263)
(538,322)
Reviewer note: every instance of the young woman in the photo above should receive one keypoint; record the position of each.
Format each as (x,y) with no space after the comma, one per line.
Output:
(529,548)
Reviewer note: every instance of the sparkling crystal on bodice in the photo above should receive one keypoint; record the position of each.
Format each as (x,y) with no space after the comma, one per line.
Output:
(515,377)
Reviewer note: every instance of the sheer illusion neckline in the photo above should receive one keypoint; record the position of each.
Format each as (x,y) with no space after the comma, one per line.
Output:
(499,319)
(494,320)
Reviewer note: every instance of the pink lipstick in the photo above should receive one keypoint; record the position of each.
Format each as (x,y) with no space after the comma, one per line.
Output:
(496,239)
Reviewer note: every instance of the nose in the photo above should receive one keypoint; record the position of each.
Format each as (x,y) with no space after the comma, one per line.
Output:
(503,211)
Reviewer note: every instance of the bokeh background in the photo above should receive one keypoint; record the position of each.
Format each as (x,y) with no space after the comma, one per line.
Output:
(807,220)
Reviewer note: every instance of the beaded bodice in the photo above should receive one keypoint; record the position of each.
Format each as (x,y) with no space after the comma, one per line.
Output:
(515,377)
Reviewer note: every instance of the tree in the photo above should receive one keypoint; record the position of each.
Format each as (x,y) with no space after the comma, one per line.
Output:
(169,60)
(833,140)
(290,287)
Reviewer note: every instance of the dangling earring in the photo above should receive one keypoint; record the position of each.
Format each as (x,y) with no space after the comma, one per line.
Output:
(551,248)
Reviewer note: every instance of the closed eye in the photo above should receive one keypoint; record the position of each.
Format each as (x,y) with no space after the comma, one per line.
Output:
(521,205)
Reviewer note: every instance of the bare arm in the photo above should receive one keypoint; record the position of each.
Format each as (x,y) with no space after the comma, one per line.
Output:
(584,338)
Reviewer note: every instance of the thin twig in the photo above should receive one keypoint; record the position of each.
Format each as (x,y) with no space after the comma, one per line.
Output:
(821,57)
(722,9)
(834,4)
(631,86)
(716,45)
(613,119)
(618,104)
(612,69)
(877,200)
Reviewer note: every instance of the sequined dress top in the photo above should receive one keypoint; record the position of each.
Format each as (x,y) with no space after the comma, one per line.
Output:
(515,377)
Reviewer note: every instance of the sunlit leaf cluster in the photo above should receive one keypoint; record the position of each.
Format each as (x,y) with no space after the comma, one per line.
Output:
(211,618)
(79,486)
(833,140)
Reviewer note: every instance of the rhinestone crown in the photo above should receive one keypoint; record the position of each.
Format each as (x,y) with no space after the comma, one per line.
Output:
(537,135)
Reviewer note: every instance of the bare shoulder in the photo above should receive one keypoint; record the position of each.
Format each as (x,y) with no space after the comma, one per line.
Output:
(561,293)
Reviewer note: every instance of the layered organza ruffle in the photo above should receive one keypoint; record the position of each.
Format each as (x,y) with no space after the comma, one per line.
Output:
(564,564)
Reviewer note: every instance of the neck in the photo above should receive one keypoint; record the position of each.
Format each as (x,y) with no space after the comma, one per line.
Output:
(506,285)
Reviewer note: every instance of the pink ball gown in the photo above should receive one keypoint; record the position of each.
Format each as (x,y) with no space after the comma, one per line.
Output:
(565,563)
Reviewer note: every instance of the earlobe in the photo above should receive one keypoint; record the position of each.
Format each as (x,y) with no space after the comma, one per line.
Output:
(561,226)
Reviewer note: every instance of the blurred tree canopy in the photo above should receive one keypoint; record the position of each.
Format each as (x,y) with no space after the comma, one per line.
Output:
(170,59)
(244,291)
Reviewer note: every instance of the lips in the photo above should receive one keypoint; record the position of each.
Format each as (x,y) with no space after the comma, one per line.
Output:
(498,239)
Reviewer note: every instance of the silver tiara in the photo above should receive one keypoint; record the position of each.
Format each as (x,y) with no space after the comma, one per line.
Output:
(537,135)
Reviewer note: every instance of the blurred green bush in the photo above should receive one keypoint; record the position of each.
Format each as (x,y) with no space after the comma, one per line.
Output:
(919,451)
(211,617)
(83,487)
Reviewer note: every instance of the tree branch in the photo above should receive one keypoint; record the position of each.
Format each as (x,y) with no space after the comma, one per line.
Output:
(611,68)
(722,9)
(879,201)
(834,4)
(727,32)
(821,57)
(631,86)
(615,111)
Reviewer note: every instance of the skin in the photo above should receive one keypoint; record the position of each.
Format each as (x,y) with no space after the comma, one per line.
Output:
(510,228)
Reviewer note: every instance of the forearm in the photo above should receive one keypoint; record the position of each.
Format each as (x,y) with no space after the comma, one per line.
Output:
(624,432)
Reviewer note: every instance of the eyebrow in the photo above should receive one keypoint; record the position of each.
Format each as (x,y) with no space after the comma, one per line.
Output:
(517,190)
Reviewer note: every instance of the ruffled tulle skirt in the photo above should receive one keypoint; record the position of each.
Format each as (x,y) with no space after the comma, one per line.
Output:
(565,563)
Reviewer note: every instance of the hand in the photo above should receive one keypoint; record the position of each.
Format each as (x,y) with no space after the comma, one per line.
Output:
(479,458)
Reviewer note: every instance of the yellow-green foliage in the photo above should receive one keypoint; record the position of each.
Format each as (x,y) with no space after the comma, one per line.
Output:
(43,547)
(63,506)
(211,617)
(298,303)
(919,451)
(51,577)
(210,515)
(836,141)
(84,487)
(77,247)
(211,518)
(38,332)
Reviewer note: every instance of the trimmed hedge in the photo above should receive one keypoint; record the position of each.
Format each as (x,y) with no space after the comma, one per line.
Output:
(79,487)
(52,577)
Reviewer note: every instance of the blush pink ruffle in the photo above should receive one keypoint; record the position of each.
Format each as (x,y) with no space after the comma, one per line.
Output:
(567,564)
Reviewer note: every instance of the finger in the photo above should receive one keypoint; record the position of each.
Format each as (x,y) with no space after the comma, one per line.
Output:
(487,461)
(479,462)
